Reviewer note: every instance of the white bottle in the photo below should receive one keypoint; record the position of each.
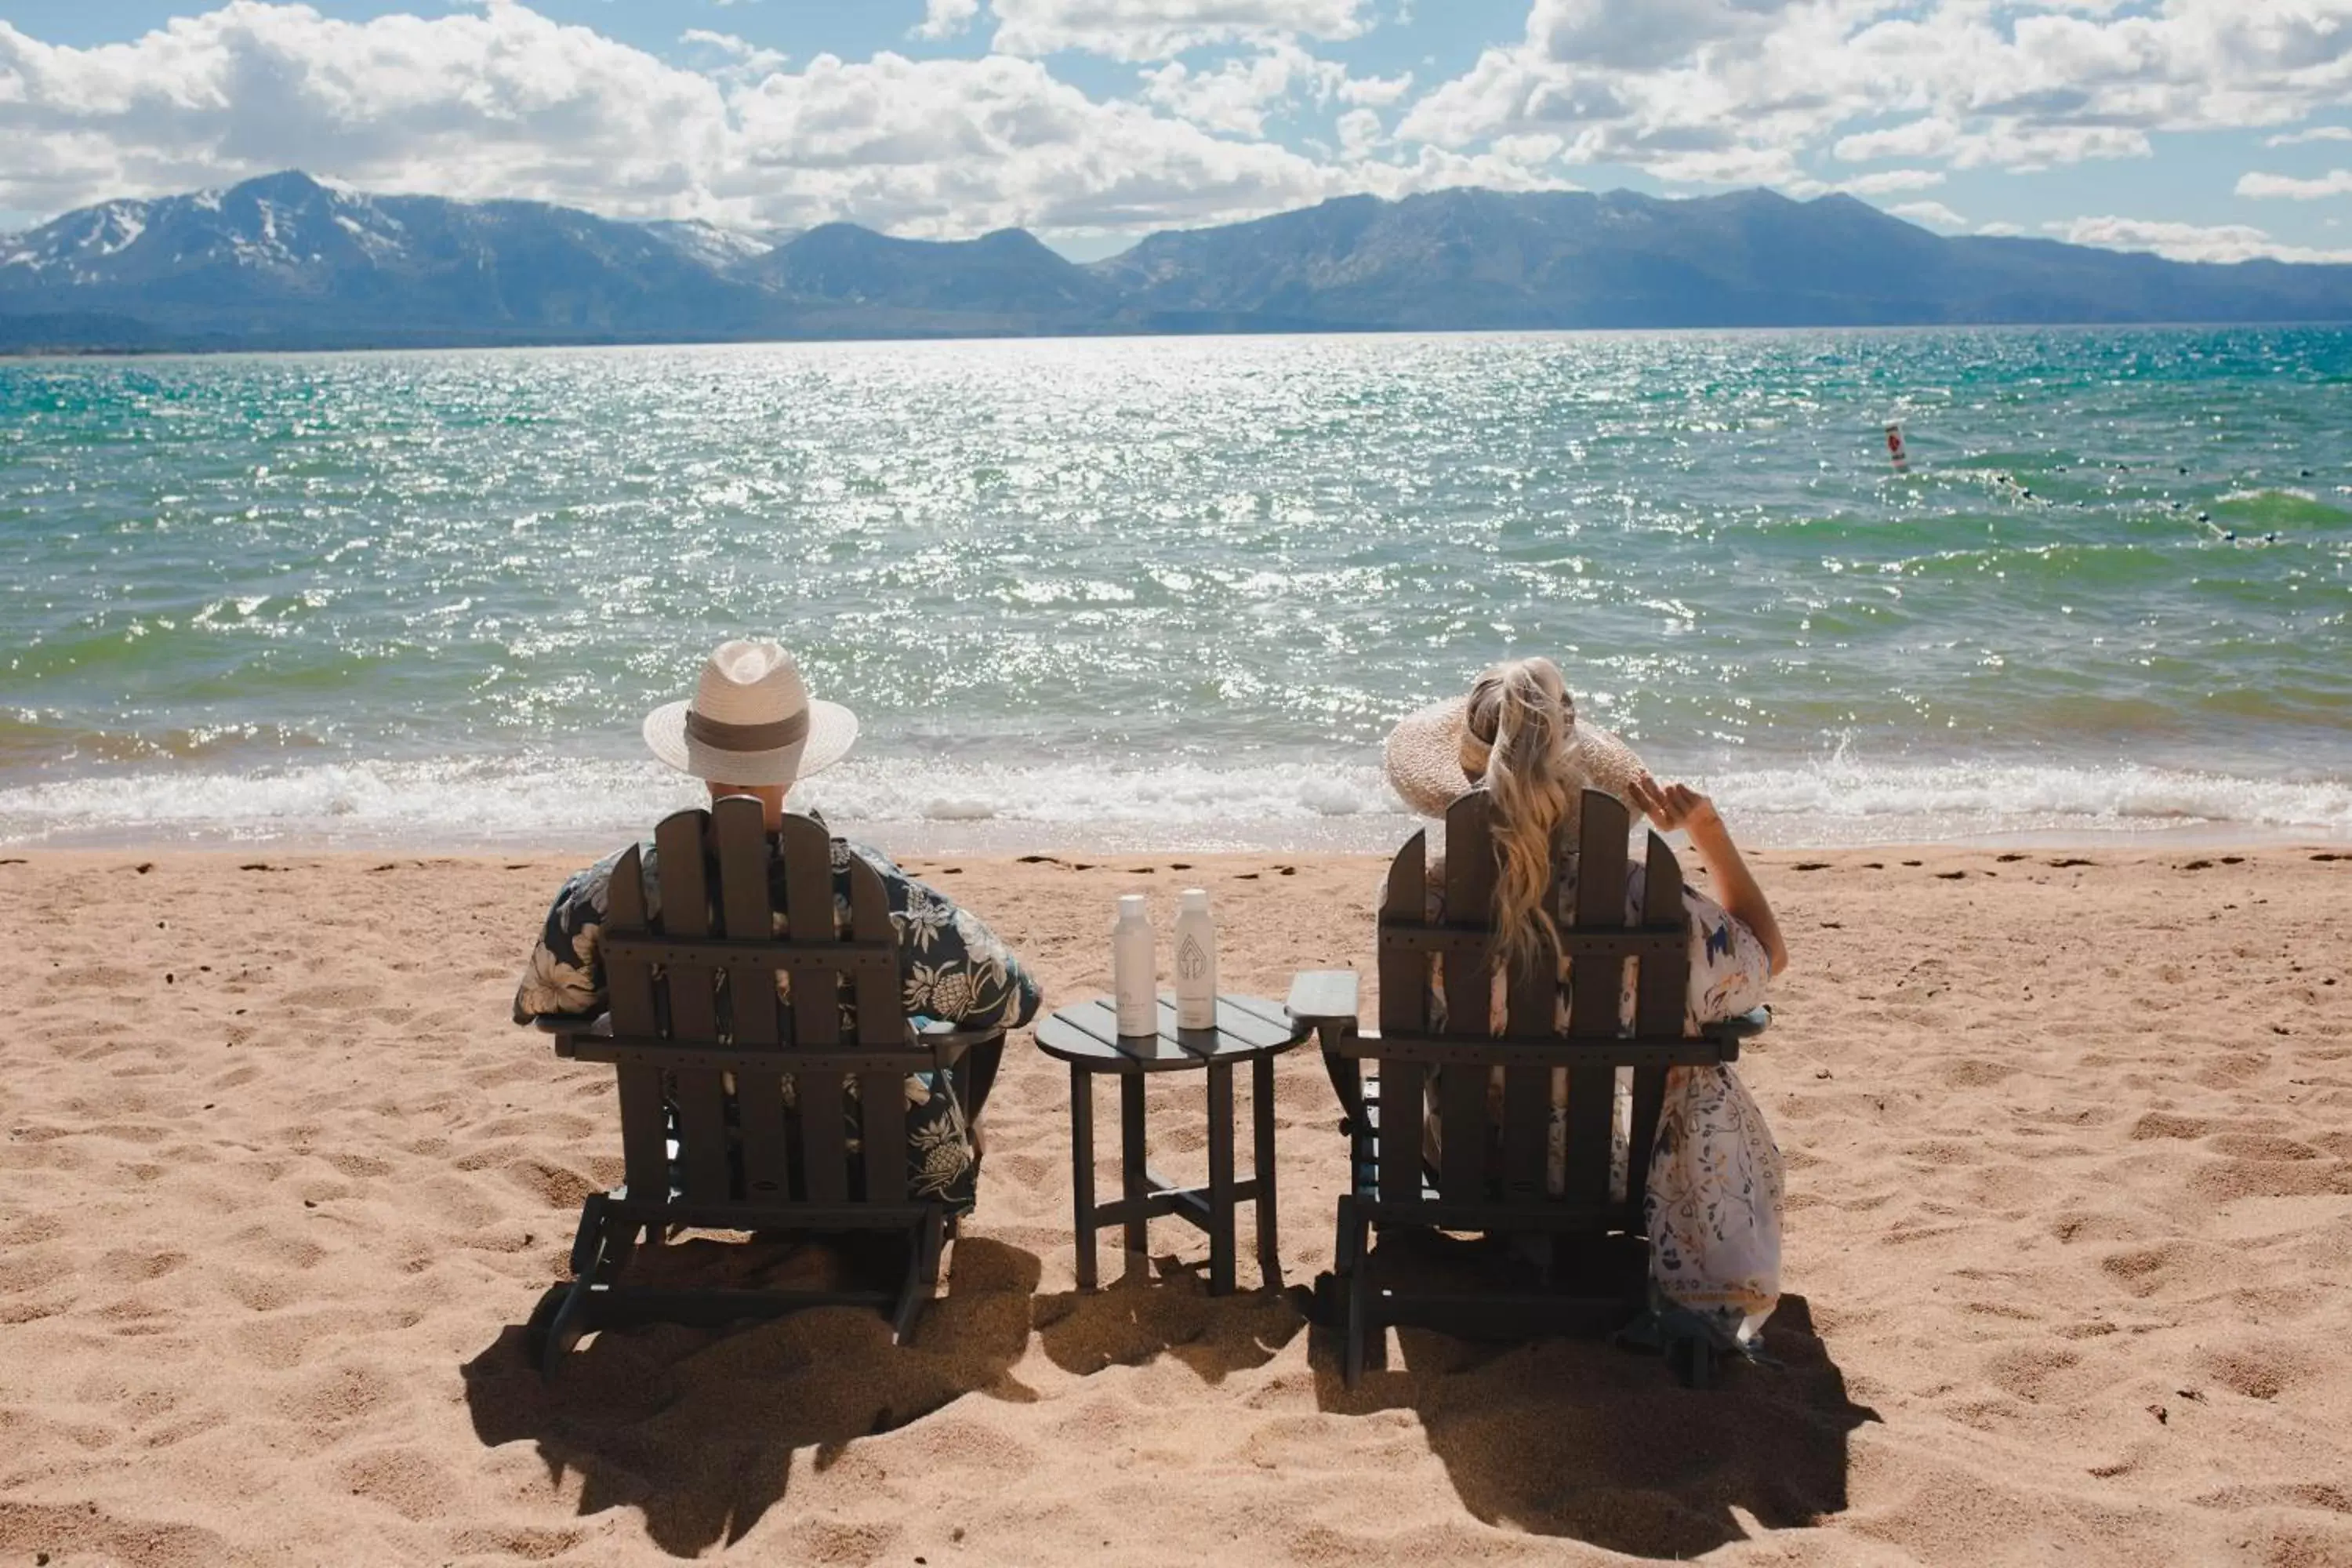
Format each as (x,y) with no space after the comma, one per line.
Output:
(1134,978)
(1196,962)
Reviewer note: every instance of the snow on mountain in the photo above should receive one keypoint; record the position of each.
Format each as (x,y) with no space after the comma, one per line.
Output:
(713,245)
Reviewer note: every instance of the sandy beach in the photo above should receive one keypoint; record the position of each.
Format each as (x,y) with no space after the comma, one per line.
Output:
(2069,1256)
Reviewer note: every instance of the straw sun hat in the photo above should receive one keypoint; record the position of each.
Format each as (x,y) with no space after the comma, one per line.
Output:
(751,721)
(1424,758)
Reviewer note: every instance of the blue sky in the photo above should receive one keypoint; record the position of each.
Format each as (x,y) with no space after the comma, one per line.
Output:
(2204,128)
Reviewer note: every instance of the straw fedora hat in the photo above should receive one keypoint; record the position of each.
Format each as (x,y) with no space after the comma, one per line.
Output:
(751,721)
(1422,757)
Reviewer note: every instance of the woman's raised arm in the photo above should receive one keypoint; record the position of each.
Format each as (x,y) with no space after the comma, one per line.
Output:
(1679,806)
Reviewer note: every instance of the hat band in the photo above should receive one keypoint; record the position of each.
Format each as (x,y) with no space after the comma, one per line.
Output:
(725,737)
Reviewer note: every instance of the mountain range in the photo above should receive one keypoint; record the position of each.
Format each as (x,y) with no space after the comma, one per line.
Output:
(284,261)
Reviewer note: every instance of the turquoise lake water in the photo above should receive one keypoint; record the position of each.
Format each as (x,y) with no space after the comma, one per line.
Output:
(1174,590)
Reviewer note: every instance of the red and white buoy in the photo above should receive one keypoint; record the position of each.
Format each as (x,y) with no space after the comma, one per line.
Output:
(1895,452)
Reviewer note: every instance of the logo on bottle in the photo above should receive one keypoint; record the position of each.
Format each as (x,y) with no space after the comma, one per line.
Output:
(1191,964)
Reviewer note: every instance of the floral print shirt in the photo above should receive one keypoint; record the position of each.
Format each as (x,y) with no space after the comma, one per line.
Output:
(951,969)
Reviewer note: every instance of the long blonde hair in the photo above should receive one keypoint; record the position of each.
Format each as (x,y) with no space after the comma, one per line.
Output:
(1516,732)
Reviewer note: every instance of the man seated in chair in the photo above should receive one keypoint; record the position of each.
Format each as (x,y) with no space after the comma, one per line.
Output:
(751,728)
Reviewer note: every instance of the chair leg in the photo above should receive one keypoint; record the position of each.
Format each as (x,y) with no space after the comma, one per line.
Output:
(1360,1307)
(922,1278)
(540,1324)
(1343,1244)
(1692,1358)
(1269,1223)
(570,1325)
(596,1257)
(975,1076)
(1351,1269)
(588,1240)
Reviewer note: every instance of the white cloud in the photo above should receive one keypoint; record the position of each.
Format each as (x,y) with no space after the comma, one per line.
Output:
(1747,89)
(1375,92)
(945,18)
(746,58)
(2334,182)
(2000,230)
(1654,33)
(1888,181)
(2188,241)
(497,102)
(1237,96)
(2316,134)
(1927,138)
(1160,29)
(1935,212)
(505,102)
(958,146)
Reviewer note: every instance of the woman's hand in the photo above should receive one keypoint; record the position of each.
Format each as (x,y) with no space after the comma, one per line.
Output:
(1674,805)
(1679,806)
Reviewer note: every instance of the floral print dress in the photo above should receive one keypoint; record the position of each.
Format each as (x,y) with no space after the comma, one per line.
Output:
(951,968)
(1713,1203)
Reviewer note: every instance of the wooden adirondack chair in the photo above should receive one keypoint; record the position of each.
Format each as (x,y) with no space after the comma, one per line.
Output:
(1498,1183)
(696,1033)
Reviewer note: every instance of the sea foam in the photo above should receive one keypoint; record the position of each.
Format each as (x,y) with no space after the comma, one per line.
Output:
(508,803)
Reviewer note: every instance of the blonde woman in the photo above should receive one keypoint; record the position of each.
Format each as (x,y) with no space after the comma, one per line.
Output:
(1713,1203)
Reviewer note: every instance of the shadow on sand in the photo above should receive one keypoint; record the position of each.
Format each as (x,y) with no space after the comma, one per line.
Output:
(699,1430)
(1578,1439)
(1171,1312)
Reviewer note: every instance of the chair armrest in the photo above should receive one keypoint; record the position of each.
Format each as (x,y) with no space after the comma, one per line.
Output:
(1728,1033)
(565,1030)
(936,1030)
(1325,1001)
(1322,997)
(952,1042)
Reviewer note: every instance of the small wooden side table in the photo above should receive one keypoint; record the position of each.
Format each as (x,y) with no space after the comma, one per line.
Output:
(1249,1029)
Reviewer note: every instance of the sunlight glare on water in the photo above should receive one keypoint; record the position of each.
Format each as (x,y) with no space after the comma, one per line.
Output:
(1180,587)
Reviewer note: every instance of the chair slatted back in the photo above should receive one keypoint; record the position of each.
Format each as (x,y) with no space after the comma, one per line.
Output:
(700,1007)
(1478,1166)
(1404,1011)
